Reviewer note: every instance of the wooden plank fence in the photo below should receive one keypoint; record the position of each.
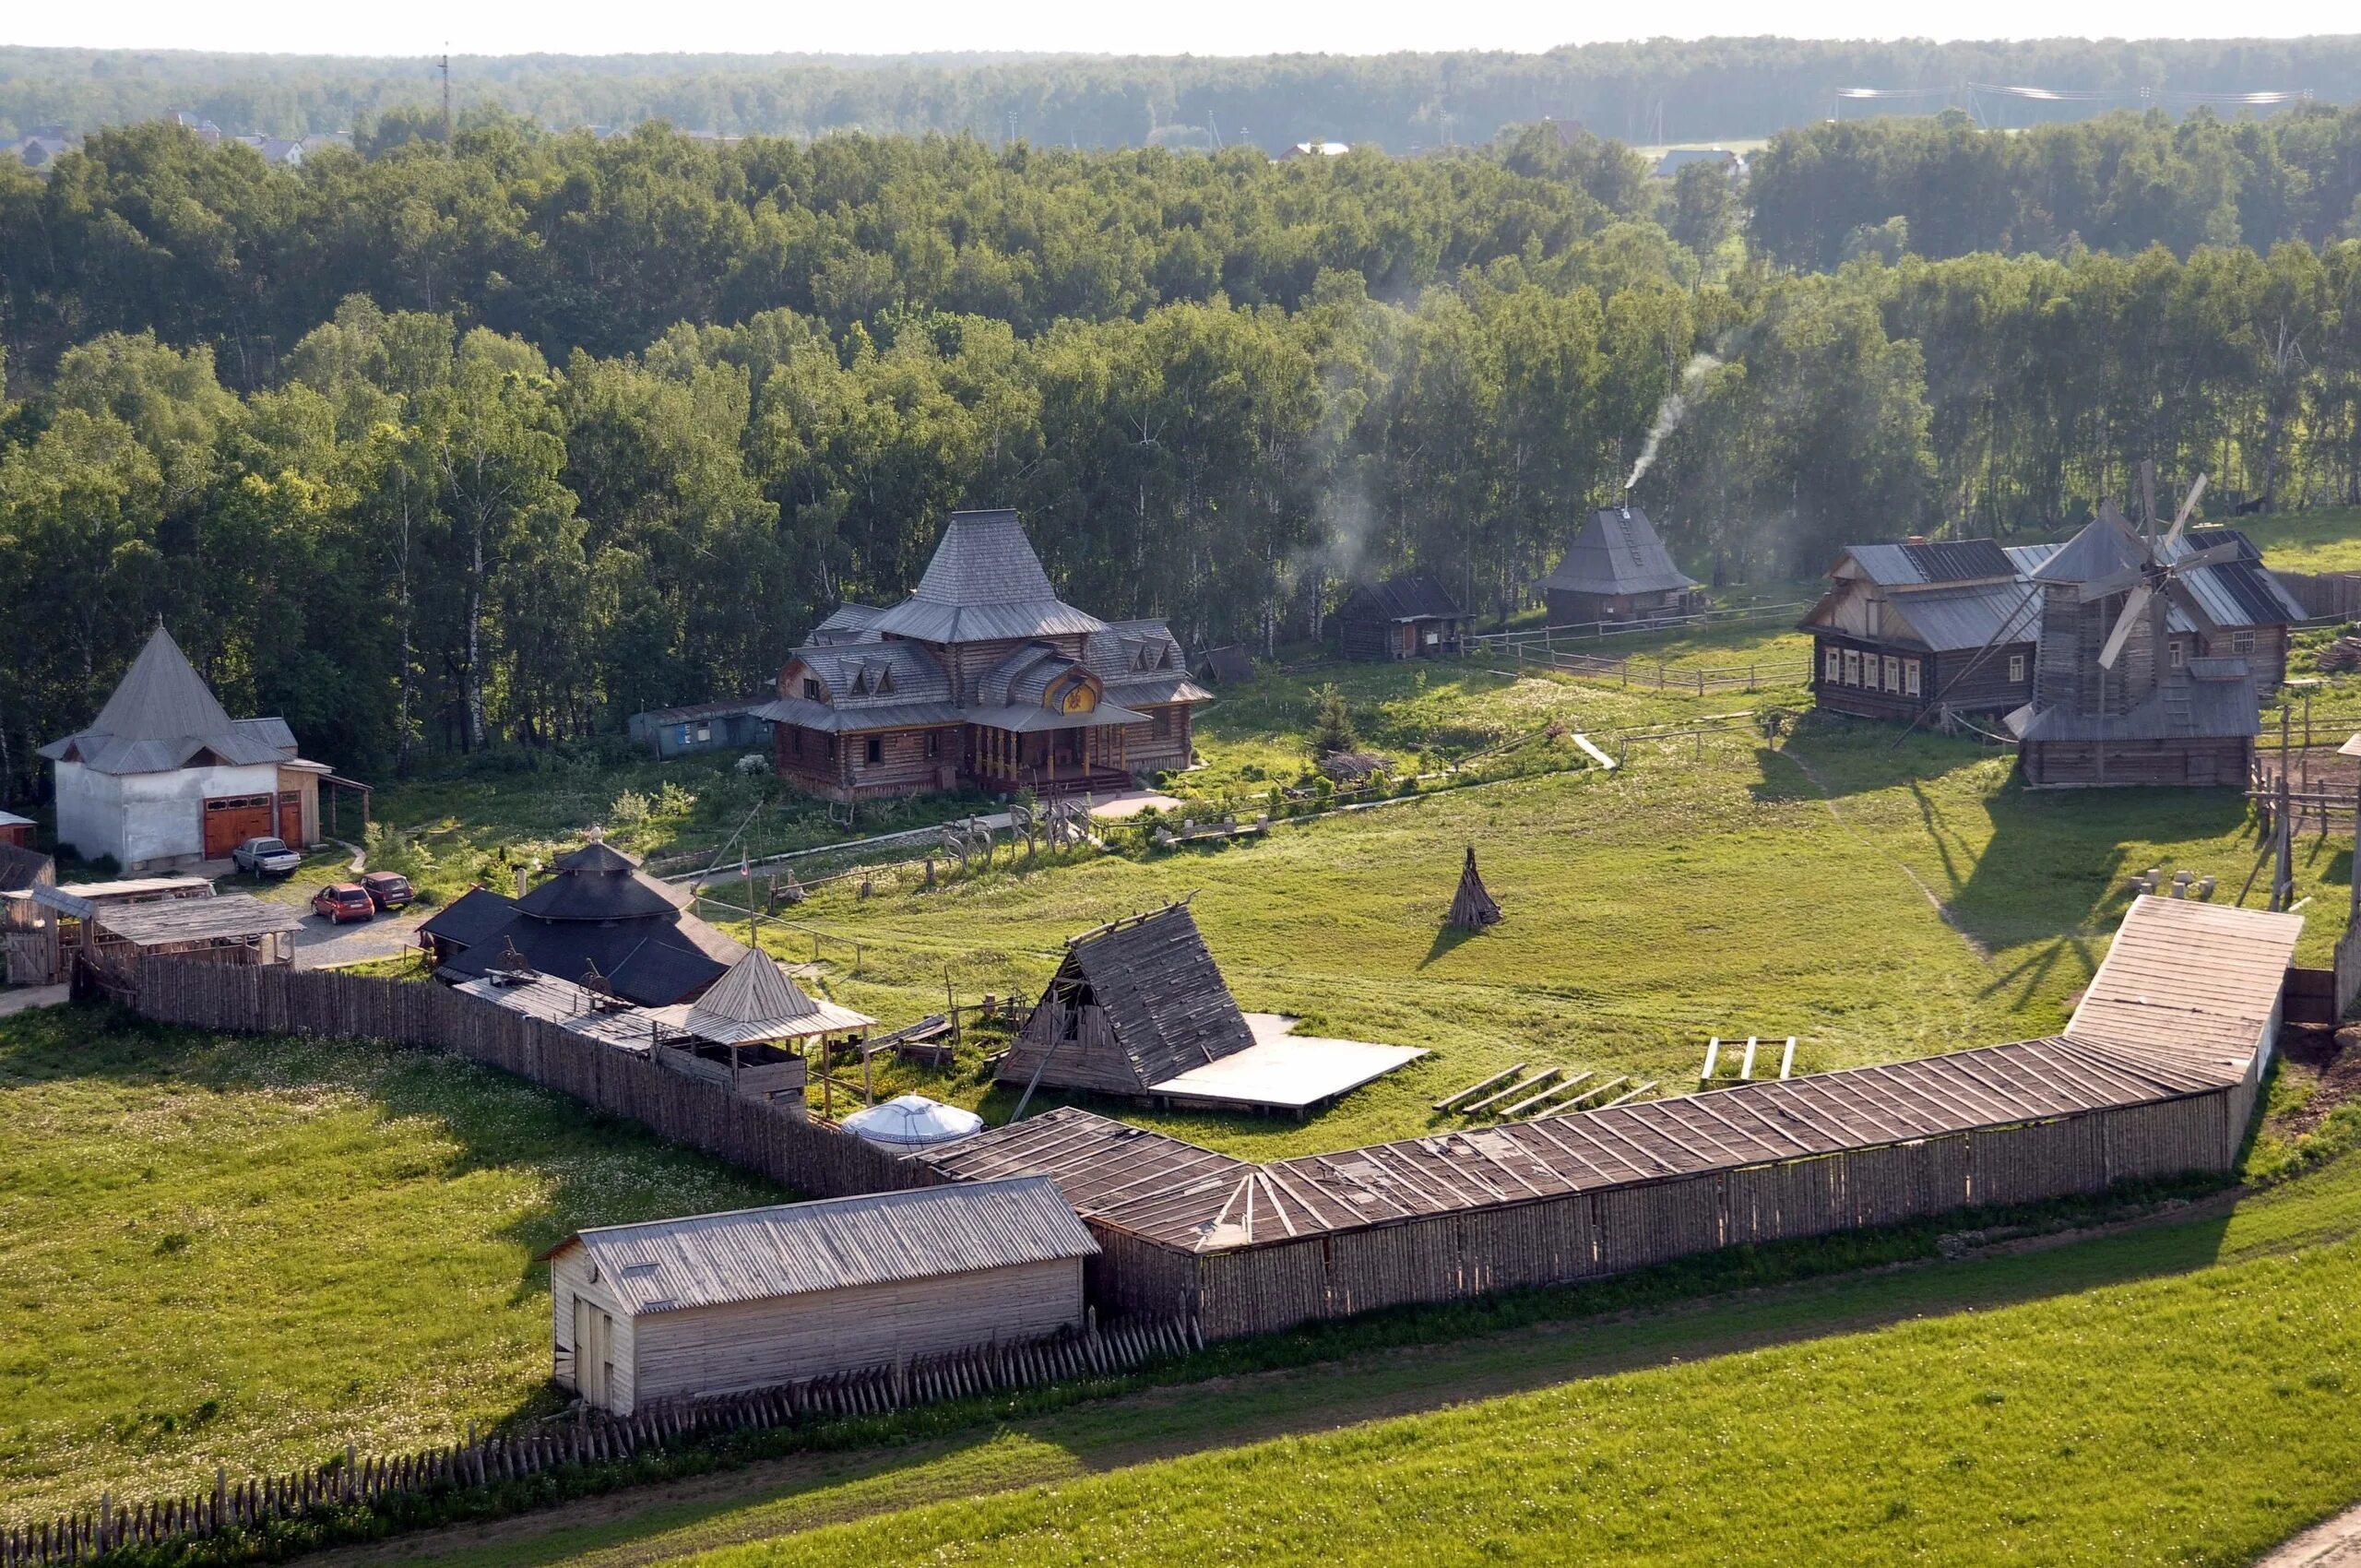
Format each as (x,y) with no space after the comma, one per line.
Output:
(754,1134)
(2325,595)
(351,1480)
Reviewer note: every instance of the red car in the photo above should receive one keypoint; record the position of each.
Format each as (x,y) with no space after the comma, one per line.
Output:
(388,889)
(342,901)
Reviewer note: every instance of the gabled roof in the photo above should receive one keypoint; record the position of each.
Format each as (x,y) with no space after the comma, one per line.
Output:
(1945,561)
(1411,596)
(21,869)
(984,584)
(1167,1005)
(872,673)
(163,716)
(2235,593)
(755,1254)
(2220,705)
(1951,619)
(852,622)
(1617,552)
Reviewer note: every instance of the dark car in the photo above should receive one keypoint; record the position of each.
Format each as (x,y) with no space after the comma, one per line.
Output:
(388,889)
(342,901)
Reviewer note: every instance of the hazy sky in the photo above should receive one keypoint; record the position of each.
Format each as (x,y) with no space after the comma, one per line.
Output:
(1203,27)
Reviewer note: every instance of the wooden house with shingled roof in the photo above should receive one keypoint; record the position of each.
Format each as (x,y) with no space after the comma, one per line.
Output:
(597,920)
(1905,628)
(164,778)
(1134,1003)
(984,677)
(1617,569)
(1408,616)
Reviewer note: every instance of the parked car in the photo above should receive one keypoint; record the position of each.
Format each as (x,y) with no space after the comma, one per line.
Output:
(388,889)
(265,857)
(342,901)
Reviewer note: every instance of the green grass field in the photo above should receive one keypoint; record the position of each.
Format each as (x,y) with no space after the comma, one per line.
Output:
(2328,539)
(250,1253)
(2184,1392)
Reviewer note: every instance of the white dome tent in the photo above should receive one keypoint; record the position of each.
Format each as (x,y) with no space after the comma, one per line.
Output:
(912,1121)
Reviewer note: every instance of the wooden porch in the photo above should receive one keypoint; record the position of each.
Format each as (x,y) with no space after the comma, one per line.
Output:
(1049,763)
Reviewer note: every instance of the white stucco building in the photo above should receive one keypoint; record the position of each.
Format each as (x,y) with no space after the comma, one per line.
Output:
(164,778)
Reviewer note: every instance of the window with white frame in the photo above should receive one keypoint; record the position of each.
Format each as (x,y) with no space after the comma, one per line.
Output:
(2179,653)
(1852,667)
(1910,677)
(1892,673)
(1832,670)
(2016,669)
(2241,642)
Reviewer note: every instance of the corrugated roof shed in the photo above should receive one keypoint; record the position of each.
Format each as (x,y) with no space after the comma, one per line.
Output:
(710,1260)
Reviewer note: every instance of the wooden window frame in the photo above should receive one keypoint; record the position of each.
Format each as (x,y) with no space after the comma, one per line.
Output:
(873,750)
(1852,667)
(2016,669)
(1833,667)
(1892,673)
(1911,682)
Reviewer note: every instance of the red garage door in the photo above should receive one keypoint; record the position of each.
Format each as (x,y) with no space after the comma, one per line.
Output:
(230,820)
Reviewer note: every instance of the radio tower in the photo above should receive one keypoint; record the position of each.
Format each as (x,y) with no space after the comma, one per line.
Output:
(447,96)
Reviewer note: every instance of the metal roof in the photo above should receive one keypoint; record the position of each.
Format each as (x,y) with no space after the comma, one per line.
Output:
(1947,619)
(985,583)
(756,1255)
(2240,592)
(1945,561)
(162,716)
(1617,552)
(812,715)
(570,1007)
(849,624)
(2217,708)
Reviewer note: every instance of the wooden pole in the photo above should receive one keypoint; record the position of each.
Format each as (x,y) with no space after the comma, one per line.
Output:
(2284,889)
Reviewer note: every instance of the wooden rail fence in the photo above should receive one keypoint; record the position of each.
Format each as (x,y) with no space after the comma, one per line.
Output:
(352,1480)
(1698,678)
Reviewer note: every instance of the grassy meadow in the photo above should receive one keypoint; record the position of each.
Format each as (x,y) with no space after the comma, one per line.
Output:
(251,1252)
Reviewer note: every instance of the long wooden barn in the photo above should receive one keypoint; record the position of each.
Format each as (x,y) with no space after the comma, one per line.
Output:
(2155,1075)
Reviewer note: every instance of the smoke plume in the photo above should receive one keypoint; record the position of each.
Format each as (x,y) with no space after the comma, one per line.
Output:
(1671,412)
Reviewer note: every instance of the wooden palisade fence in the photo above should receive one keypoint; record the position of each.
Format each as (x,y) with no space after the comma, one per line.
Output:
(358,1480)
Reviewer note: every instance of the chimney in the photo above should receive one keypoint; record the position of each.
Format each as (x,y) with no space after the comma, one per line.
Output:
(521,872)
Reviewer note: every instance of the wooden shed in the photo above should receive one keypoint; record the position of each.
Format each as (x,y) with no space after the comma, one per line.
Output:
(1409,616)
(1134,1003)
(763,1298)
(235,928)
(1617,569)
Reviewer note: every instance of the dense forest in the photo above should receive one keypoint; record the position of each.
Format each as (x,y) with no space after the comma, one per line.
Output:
(450,448)
(1656,92)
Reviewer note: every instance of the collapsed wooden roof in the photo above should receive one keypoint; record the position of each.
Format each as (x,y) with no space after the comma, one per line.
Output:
(2176,1009)
(1165,1003)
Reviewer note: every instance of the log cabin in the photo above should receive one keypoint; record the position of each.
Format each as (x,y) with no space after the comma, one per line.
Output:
(1408,616)
(1905,629)
(763,1298)
(983,677)
(1617,569)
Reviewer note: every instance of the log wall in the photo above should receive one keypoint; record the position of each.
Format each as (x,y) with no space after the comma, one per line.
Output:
(770,1140)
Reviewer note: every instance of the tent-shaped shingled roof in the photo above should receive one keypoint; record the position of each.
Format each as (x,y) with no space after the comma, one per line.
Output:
(757,1001)
(598,881)
(1133,1003)
(984,583)
(163,717)
(1617,552)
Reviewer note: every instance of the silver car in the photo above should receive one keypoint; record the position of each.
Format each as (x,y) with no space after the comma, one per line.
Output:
(265,857)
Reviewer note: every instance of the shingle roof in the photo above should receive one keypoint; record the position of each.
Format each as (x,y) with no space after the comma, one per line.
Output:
(162,714)
(1945,561)
(849,624)
(757,1001)
(1166,1002)
(984,584)
(755,1254)
(1411,596)
(598,883)
(1617,552)
(873,674)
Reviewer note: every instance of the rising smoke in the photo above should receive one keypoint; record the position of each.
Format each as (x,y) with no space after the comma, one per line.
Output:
(1671,412)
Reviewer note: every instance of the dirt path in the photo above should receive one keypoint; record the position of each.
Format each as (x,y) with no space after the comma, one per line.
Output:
(1942,910)
(2336,1544)
(775,1497)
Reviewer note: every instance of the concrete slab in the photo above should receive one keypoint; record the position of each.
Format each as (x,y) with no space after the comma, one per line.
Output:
(1130,803)
(1284,1071)
(30,997)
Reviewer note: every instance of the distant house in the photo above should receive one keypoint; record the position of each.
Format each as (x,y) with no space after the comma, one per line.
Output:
(16,830)
(702,727)
(280,152)
(762,1297)
(1681,157)
(164,778)
(1409,616)
(1316,149)
(983,676)
(1904,627)
(1617,569)
(40,151)
(189,120)
(597,915)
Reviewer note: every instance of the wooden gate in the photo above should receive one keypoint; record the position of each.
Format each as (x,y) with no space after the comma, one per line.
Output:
(230,820)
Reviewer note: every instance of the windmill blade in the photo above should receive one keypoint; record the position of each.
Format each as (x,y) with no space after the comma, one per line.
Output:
(2212,555)
(2110,586)
(2180,521)
(2134,610)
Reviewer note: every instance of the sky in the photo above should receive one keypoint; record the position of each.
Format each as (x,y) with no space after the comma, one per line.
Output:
(1200,27)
